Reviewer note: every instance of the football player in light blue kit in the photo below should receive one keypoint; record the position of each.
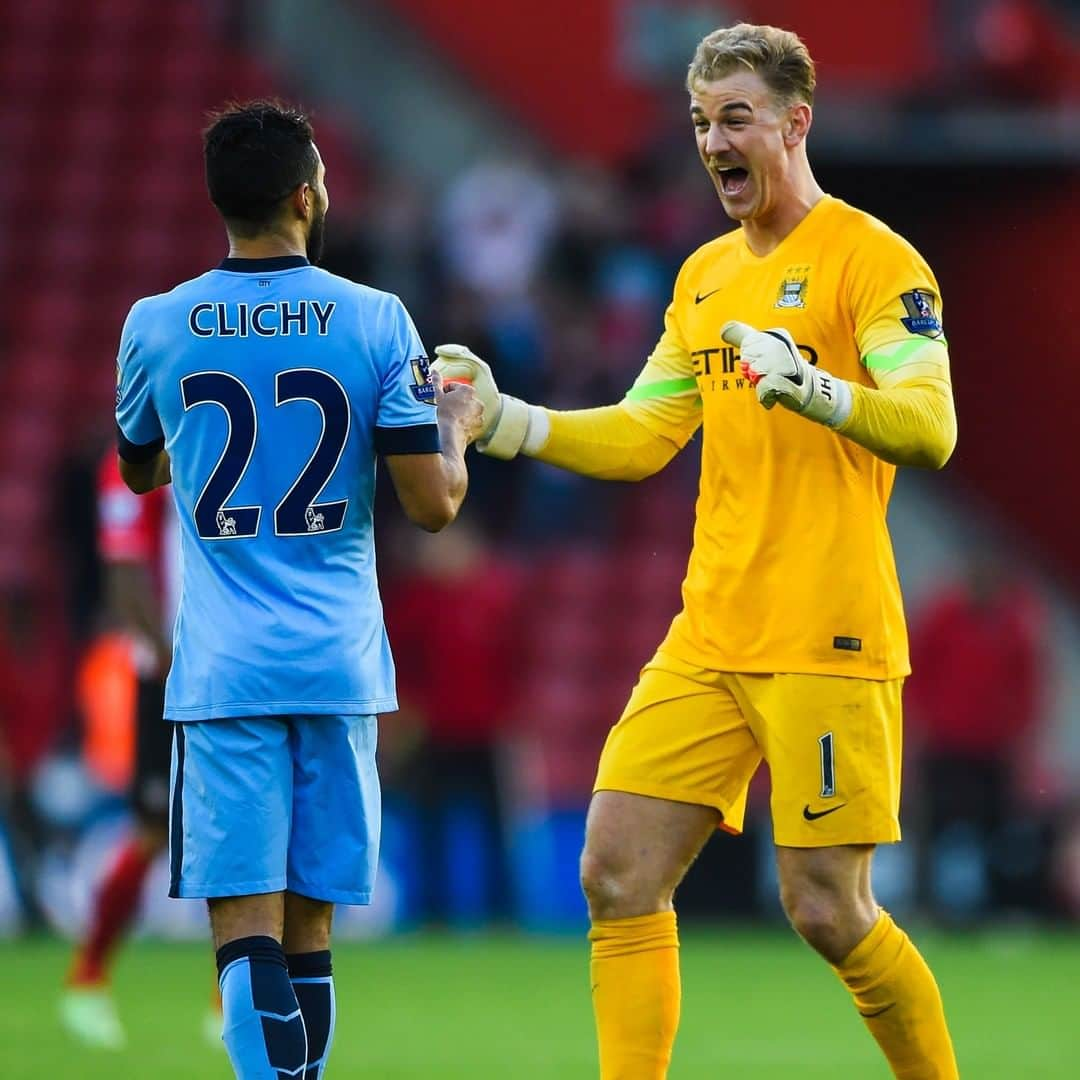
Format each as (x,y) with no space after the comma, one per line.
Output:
(264,389)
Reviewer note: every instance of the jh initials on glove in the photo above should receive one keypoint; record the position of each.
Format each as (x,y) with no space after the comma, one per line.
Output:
(771,360)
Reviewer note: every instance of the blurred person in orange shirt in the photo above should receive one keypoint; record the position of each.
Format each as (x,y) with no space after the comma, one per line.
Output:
(452,620)
(976,702)
(137,543)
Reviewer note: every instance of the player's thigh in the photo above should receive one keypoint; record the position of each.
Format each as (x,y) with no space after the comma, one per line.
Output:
(307,924)
(638,849)
(336,810)
(230,816)
(682,737)
(834,749)
(153,760)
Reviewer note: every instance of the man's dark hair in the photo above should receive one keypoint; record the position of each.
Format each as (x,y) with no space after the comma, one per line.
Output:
(257,153)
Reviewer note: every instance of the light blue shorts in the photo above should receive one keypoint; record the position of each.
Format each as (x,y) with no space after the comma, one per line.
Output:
(266,803)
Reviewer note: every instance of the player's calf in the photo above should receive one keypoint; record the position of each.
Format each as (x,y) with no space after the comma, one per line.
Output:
(827,896)
(312,979)
(263,1026)
(307,952)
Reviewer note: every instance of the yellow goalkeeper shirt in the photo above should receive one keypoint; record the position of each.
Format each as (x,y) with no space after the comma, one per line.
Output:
(792,568)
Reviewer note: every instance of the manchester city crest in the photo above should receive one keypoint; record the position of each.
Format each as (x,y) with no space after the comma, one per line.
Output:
(792,291)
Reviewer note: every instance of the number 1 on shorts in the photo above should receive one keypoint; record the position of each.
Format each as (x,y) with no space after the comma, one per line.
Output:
(828,766)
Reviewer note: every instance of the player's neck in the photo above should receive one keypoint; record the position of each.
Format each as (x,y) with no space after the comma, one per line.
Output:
(266,246)
(766,233)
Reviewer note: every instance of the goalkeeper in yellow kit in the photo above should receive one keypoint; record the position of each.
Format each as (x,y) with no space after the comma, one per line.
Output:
(791,643)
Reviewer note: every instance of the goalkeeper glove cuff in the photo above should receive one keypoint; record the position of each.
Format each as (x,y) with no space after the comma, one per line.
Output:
(520,428)
(517,426)
(828,400)
(511,426)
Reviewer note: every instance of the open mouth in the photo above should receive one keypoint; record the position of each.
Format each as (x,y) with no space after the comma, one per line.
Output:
(732,181)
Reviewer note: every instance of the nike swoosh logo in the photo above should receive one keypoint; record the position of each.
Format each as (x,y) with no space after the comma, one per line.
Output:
(813,815)
(797,377)
(705,296)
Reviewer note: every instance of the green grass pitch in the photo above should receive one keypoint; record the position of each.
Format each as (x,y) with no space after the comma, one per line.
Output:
(757,1005)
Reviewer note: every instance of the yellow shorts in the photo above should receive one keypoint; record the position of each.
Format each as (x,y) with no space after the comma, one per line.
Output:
(832,744)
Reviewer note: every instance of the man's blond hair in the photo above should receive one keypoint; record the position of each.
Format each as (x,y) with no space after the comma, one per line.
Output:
(777,56)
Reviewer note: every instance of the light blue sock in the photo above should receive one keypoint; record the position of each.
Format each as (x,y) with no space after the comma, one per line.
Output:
(263,1027)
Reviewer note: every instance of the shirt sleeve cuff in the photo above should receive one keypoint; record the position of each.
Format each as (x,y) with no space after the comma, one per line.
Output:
(136,453)
(414,439)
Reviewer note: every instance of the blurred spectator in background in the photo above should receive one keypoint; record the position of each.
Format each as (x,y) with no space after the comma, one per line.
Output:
(139,547)
(454,624)
(76,505)
(497,223)
(1016,51)
(976,703)
(32,703)
(34,707)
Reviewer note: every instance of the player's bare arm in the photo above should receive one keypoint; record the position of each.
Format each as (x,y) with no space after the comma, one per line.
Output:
(431,487)
(144,476)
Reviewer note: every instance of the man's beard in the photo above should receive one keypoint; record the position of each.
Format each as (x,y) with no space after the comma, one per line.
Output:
(316,238)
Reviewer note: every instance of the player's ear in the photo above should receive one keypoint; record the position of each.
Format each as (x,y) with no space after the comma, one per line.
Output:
(302,201)
(798,123)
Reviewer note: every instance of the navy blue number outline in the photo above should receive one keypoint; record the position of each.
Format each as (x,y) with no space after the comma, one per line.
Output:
(312,504)
(278,401)
(223,506)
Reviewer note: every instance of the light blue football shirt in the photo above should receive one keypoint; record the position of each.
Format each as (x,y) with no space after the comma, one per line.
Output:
(273,385)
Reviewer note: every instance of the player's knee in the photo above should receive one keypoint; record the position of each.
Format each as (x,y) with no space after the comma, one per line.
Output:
(599,883)
(616,889)
(233,917)
(820,920)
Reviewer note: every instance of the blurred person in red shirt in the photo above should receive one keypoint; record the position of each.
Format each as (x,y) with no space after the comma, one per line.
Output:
(1025,51)
(976,705)
(138,544)
(452,617)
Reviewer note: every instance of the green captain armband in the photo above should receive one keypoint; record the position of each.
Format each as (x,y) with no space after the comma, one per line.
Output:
(663,388)
(890,357)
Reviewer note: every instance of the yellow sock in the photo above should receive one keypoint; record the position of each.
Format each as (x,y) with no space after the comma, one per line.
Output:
(636,994)
(897,997)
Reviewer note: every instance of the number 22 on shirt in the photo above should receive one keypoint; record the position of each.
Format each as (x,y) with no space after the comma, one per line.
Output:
(297,513)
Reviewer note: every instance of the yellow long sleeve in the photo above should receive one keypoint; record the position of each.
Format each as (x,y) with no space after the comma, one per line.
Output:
(643,432)
(911,421)
(605,443)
